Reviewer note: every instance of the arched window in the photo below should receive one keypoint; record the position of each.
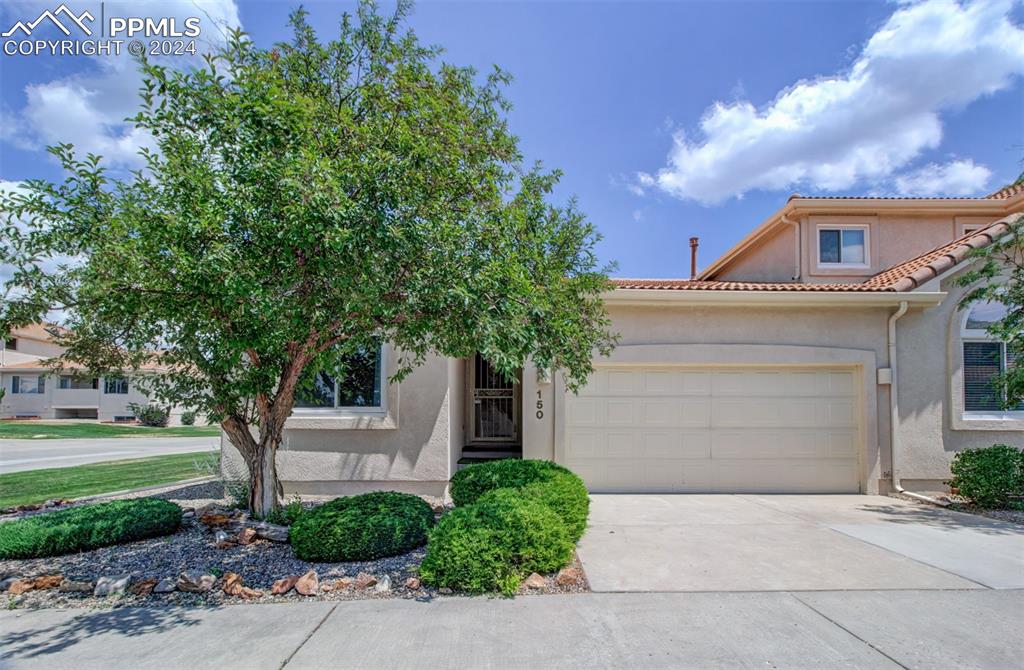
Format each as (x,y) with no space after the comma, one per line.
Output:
(984,358)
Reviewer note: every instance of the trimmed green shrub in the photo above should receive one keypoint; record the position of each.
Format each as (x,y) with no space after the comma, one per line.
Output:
(188,417)
(362,528)
(153,416)
(555,485)
(474,481)
(989,476)
(88,527)
(494,544)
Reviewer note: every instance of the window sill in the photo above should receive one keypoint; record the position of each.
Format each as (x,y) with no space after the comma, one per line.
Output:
(989,421)
(341,421)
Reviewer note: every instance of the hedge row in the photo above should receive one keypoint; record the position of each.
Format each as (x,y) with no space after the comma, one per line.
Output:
(512,517)
(88,527)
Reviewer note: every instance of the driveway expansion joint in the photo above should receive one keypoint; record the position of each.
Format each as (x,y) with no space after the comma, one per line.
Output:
(846,630)
(306,639)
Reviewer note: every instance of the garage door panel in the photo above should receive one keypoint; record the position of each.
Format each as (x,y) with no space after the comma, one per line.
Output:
(664,428)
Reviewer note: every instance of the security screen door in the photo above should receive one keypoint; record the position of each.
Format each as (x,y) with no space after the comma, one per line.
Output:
(494,404)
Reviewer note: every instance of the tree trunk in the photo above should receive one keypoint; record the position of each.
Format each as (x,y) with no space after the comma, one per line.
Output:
(265,490)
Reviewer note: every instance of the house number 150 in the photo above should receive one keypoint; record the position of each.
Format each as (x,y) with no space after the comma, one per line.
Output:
(540,406)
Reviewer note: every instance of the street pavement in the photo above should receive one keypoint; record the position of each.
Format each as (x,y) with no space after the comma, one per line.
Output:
(20,455)
(847,629)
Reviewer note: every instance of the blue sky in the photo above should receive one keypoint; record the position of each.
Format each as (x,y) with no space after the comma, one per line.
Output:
(668,119)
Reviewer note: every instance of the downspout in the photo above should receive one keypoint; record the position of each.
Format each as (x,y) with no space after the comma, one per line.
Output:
(796,244)
(894,412)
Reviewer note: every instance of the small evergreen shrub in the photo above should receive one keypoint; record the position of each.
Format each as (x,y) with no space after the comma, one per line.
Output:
(88,527)
(989,477)
(494,544)
(474,481)
(556,486)
(188,418)
(362,528)
(150,415)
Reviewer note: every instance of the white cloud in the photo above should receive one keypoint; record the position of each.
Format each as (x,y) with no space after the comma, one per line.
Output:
(88,110)
(957,178)
(862,126)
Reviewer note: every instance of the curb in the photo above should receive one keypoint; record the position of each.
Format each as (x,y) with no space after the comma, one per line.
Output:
(155,487)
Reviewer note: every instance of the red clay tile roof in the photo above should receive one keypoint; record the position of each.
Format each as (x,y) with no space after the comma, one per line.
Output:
(905,276)
(1006,191)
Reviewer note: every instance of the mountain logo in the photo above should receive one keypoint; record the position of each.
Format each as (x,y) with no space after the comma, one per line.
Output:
(63,10)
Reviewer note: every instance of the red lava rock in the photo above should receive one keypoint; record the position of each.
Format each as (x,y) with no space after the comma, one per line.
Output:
(567,576)
(232,584)
(246,536)
(214,519)
(245,593)
(365,581)
(308,584)
(534,581)
(283,586)
(143,588)
(413,583)
(21,586)
(47,582)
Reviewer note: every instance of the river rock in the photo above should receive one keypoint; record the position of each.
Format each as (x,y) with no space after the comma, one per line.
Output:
(111,586)
(195,581)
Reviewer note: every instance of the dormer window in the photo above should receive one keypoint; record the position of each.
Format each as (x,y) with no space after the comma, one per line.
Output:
(843,246)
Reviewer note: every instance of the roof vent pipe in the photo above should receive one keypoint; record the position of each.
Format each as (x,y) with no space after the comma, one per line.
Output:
(694,242)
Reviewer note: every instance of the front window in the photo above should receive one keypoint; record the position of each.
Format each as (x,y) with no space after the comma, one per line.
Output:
(11,344)
(72,382)
(984,359)
(842,246)
(28,385)
(115,385)
(359,387)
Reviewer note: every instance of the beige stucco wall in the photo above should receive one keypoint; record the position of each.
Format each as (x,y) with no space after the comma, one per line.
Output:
(931,397)
(405,449)
(892,239)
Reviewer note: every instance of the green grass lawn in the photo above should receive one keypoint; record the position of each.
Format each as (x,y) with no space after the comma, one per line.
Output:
(35,486)
(34,430)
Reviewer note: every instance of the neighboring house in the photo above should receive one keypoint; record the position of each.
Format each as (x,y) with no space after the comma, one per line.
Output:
(771,371)
(31,390)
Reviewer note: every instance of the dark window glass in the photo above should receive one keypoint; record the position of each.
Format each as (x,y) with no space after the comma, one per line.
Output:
(359,385)
(115,385)
(982,365)
(828,246)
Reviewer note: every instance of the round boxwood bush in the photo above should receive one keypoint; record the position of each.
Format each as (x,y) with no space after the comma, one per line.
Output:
(88,527)
(556,486)
(362,527)
(494,544)
(989,477)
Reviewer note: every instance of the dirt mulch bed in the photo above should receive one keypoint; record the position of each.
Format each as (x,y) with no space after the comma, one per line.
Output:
(260,564)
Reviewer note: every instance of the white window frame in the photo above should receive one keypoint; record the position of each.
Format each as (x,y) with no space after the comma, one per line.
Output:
(841,227)
(380,410)
(981,335)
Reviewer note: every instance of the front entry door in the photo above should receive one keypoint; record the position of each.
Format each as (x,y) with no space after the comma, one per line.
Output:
(494,404)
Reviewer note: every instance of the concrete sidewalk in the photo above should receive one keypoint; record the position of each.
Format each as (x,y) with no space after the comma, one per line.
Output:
(863,629)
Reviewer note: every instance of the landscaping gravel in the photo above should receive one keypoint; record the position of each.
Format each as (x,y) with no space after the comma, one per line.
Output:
(194,548)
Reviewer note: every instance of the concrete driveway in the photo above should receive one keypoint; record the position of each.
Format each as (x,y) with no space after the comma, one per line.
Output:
(793,543)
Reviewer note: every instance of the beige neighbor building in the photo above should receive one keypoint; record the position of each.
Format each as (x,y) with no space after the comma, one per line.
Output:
(825,341)
(32,391)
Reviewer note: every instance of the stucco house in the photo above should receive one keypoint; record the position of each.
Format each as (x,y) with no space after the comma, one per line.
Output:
(31,390)
(825,352)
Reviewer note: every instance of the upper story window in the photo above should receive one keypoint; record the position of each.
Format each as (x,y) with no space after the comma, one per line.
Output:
(984,359)
(26,385)
(843,246)
(115,385)
(72,382)
(360,389)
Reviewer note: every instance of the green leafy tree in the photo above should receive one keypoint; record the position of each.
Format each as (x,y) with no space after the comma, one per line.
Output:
(302,204)
(999,278)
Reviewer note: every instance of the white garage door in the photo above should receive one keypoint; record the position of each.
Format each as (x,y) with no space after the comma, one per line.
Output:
(723,429)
